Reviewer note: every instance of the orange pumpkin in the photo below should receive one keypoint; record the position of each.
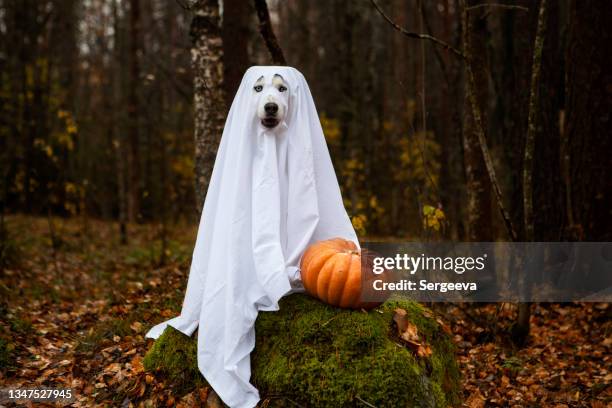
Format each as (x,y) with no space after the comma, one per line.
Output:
(331,271)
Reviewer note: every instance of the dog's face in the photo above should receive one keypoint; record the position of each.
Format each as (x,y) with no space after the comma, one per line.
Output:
(273,96)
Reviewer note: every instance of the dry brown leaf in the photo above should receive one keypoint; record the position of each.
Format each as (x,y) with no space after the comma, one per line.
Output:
(142,389)
(136,326)
(203,392)
(476,400)
(444,326)
(409,333)
(137,366)
(400,319)
(188,401)
(406,330)
(505,381)
(424,350)
(113,368)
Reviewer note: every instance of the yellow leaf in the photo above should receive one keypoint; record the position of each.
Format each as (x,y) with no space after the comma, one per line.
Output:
(428,209)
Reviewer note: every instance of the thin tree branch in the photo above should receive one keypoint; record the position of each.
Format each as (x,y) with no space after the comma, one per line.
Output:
(436,51)
(536,71)
(366,403)
(495,5)
(266,31)
(477,114)
(411,34)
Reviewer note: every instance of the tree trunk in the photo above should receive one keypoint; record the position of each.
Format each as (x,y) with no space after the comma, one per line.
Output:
(532,123)
(514,68)
(133,160)
(209,103)
(589,122)
(478,186)
(120,142)
(521,329)
(235,35)
(267,33)
(548,190)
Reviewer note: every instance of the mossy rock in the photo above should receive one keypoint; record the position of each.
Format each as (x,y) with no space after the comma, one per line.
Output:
(320,356)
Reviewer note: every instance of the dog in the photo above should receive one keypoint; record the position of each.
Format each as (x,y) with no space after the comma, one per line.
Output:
(273,98)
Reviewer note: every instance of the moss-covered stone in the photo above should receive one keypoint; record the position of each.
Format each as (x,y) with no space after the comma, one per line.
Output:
(321,356)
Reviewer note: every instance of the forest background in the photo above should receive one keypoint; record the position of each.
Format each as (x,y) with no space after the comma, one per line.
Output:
(446,120)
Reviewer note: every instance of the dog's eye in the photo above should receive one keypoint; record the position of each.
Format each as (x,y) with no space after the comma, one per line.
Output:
(258,88)
(282,88)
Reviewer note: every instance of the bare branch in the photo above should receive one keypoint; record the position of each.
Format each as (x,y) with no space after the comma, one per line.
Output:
(411,34)
(496,5)
(366,403)
(436,51)
(266,31)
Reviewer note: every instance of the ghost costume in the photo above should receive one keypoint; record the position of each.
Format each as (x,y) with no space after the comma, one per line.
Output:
(272,193)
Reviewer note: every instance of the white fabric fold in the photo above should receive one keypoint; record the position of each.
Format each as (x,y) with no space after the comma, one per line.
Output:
(272,193)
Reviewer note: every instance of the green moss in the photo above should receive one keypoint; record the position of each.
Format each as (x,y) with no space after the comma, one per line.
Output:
(321,356)
(175,356)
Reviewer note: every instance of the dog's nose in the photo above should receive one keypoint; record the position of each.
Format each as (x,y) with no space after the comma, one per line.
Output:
(271,108)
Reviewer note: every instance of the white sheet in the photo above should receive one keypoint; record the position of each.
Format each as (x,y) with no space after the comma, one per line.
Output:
(272,193)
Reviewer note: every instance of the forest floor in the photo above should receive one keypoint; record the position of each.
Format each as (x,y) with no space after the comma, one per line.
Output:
(75,305)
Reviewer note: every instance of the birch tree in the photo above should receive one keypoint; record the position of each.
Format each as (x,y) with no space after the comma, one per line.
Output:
(209,101)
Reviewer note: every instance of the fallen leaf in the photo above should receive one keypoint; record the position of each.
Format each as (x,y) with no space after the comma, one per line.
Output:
(444,326)
(136,326)
(188,401)
(400,319)
(476,400)
(136,364)
(203,391)
(505,381)
(143,388)
(424,350)
(406,329)
(409,333)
